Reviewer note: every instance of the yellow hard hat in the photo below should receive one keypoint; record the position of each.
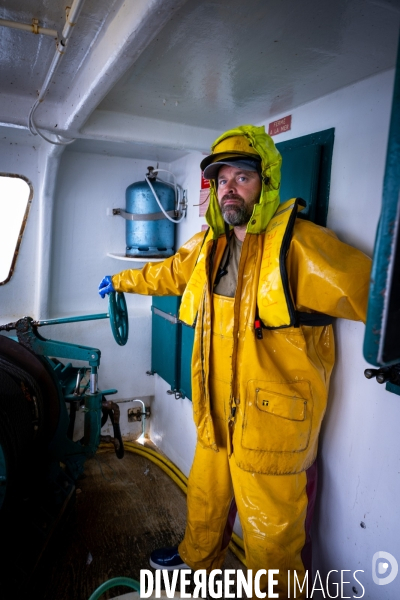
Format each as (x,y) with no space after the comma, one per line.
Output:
(234,147)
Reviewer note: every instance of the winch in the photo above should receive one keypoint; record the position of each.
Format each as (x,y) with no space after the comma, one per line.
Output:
(39,459)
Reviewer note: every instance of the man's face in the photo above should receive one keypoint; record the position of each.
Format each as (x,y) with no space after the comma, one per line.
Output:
(238,192)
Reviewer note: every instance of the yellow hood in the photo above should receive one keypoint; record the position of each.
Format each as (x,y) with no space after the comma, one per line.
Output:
(271,176)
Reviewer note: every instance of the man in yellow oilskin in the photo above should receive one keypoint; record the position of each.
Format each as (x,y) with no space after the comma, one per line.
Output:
(261,288)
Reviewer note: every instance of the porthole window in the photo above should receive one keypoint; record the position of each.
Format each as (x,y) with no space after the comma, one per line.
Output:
(16,194)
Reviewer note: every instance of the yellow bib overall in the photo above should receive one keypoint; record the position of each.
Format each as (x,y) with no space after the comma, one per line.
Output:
(274,510)
(261,366)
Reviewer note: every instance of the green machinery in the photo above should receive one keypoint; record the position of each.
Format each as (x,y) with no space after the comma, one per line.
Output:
(39,459)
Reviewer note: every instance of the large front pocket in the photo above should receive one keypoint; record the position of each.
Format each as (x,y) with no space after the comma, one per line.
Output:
(278,416)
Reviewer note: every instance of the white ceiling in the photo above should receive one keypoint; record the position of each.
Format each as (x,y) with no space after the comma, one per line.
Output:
(219,63)
(25,58)
(127,150)
(172,74)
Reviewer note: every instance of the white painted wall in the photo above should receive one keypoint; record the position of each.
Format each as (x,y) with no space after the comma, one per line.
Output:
(88,184)
(359,463)
(171,424)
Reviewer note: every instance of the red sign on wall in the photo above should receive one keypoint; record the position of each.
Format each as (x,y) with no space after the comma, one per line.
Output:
(204,195)
(205,183)
(280,125)
(204,202)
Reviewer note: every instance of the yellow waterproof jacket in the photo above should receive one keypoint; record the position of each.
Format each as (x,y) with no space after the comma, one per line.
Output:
(288,266)
(279,383)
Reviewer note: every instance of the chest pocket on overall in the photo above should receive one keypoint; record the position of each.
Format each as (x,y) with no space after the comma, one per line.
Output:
(278,416)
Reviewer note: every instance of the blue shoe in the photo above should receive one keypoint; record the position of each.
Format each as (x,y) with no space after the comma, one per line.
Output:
(167,558)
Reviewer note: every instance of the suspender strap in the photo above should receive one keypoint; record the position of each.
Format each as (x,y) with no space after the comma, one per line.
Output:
(314,319)
(301,318)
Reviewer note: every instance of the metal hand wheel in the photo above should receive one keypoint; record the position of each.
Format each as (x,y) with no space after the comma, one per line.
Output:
(118,317)
(117,313)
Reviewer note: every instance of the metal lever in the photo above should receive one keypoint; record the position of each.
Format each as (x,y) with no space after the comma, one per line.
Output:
(175,393)
(111,409)
(385,374)
(382,375)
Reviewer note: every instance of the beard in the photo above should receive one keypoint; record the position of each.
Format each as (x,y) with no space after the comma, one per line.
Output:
(235,214)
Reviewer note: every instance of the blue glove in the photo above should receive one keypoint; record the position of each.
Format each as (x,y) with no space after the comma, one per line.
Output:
(106,286)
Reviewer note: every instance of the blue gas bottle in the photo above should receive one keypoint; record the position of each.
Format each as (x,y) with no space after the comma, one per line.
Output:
(150,234)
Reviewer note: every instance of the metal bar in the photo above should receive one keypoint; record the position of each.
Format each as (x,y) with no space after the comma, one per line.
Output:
(93,380)
(72,17)
(92,424)
(61,349)
(157,216)
(164,315)
(32,28)
(77,319)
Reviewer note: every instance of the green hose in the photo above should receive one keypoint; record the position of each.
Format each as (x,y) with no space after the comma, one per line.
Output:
(126,581)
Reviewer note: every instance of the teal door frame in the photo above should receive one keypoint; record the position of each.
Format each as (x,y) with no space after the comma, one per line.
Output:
(382,334)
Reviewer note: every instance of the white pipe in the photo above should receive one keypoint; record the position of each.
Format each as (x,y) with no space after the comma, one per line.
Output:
(61,46)
(60,51)
(179,193)
(72,18)
(141,438)
(159,203)
(33,28)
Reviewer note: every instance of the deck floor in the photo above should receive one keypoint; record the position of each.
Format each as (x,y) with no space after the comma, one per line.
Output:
(124,510)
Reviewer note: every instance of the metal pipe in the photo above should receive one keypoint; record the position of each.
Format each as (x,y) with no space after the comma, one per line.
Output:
(141,438)
(93,380)
(33,28)
(78,382)
(72,18)
(61,46)
(59,53)
(60,50)
(71,319)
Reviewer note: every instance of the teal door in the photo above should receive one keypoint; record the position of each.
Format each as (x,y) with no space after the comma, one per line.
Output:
(306,172)
(172,345)
(165,339)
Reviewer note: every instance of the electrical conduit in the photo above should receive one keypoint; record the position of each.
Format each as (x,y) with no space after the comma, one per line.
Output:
(60,51)
(32,28)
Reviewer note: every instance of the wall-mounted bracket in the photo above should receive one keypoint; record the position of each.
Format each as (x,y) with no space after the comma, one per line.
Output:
(175,393)
(157,216)
(136,414)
